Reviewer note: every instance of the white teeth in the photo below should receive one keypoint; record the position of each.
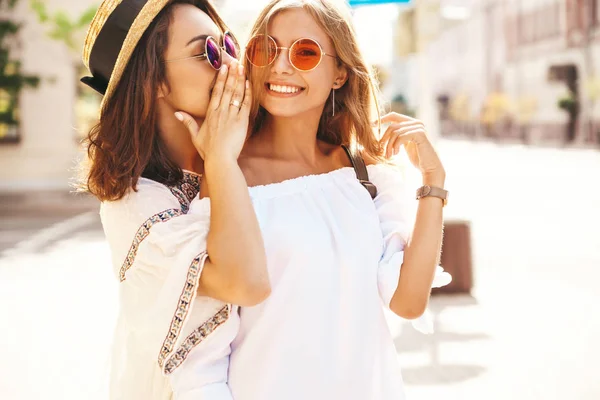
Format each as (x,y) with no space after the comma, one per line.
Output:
(284,89)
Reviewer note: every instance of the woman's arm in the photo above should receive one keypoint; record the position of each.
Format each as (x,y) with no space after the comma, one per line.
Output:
(236,268)
(421,256)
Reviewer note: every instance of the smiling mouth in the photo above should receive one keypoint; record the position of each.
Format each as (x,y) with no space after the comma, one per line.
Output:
(284,89)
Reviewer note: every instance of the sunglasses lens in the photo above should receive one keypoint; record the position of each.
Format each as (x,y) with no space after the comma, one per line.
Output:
(305,54)
(231,46)
(213,53)
(261,50)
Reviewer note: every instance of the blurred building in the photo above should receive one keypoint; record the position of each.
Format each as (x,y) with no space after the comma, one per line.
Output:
(42,153)
(496,68)
(505,68)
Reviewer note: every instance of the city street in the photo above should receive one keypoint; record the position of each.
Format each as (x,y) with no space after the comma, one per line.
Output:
(530,330)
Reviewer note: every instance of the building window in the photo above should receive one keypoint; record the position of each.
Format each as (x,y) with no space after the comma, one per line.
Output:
(12,81)
(512,39)
(9,132)
(551,21)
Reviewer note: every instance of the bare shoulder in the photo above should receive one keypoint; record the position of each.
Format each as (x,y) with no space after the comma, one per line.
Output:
(338,155)
(369,159)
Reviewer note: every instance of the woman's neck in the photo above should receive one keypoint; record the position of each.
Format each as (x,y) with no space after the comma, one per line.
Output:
(290,138)
(192,163)
(178,142)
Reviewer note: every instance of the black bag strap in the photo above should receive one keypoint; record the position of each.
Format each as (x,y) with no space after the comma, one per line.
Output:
(361,171)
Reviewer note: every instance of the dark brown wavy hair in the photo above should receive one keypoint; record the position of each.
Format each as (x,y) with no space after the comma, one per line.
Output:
(125,144)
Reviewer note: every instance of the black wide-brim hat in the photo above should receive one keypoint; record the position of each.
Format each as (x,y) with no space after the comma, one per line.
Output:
(112,36)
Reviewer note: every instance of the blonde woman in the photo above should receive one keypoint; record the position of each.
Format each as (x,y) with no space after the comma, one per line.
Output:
(338,248)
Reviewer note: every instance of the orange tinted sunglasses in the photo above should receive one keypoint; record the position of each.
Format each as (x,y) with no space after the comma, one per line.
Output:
(304,54)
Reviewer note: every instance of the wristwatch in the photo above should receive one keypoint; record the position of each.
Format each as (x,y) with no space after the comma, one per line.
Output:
(425,191)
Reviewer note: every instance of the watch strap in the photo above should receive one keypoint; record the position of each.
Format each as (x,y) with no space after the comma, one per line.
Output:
(432,191)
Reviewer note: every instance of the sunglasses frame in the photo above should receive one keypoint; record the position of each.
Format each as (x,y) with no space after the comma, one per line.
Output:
(204,55)
(277,48)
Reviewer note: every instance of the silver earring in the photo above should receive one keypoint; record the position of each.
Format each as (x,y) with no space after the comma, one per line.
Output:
(333,103)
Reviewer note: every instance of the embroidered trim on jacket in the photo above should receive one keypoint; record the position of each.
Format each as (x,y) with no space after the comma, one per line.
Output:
(187,190)
(168,359)
(142,233)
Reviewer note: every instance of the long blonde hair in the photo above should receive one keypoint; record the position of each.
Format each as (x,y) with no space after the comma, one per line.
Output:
(356,102)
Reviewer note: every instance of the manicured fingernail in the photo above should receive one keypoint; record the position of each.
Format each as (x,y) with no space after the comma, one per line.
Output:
(223,69)
(247,84)
(241,70)
(179,116)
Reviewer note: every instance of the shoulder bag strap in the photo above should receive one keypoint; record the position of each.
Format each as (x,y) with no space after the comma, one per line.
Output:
(361,171)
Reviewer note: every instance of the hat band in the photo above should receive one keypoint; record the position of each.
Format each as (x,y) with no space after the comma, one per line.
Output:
(109,43)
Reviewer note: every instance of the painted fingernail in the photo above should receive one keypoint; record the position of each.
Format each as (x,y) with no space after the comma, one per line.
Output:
(223,69)
(179,116)
(240,70)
